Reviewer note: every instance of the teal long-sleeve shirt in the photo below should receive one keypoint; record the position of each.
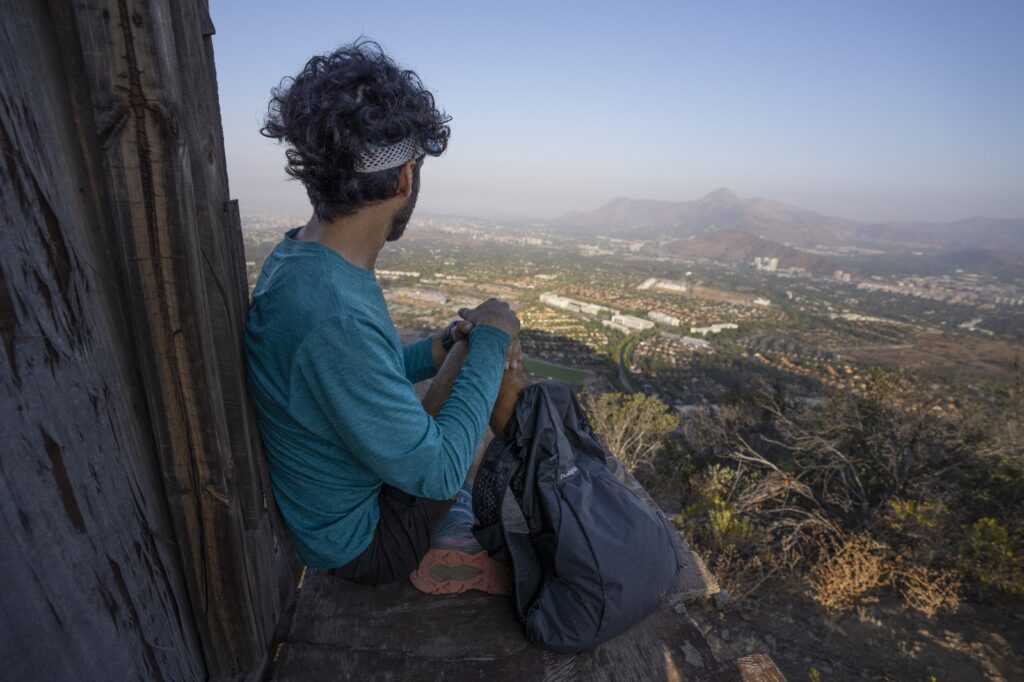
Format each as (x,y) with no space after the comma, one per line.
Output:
(338,414)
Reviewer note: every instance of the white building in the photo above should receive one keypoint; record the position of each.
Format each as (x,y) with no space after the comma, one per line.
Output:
(616,326)
(699,343)
(633,323)
(555,301)
(713,328)
(663,318)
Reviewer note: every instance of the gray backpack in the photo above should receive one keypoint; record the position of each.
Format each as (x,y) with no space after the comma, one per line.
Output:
(591,558)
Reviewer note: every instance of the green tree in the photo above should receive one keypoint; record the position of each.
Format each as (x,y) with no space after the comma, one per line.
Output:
(634,426)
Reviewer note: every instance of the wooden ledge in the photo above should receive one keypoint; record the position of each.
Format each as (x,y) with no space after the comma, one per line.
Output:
(345,631)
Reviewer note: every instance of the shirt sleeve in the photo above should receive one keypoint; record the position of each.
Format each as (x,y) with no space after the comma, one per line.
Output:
(418,359)
(348,383)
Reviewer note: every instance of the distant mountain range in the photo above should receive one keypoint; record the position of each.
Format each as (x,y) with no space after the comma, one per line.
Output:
(724,223)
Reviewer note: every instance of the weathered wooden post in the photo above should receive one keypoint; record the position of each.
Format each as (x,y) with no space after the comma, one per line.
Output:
(138,517)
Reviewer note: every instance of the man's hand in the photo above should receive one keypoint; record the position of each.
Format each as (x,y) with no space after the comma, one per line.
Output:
(461,330)
(498,314)
(494,313)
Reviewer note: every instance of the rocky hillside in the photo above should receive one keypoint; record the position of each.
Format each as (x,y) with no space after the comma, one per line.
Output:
(737,246)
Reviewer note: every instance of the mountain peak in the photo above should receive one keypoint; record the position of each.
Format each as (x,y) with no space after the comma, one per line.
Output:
(721,194)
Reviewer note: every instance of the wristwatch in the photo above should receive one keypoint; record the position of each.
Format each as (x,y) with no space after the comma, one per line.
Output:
(447,340)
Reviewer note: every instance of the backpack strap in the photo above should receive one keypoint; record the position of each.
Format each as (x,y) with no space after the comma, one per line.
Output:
(501,525)
(496,469)
(526,569)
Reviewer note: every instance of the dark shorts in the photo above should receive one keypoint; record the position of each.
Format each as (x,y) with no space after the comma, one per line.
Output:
(407,524)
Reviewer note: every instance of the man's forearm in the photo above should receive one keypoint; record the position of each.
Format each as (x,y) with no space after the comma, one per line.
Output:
(437,349)
(513,382)
(444,380)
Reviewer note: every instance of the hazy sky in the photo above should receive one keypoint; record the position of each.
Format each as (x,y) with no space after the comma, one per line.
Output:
(890,110)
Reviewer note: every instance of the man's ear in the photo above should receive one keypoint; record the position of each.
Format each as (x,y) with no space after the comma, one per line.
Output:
(404,188)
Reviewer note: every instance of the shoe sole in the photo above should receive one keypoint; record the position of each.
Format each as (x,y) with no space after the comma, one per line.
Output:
(447,571)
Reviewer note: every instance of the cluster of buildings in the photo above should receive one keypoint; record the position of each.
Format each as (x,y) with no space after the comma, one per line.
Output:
(766,264)
(964,288)
(687,341)
(481,231)
(627,324)
(664,318)
(565,337)
(593,250)
(713,328)
(394,274)
(555,301)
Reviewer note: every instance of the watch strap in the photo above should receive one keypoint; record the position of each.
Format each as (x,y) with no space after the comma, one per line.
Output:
(447,339)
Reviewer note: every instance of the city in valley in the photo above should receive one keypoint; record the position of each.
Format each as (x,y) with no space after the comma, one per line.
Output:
(624,314)
(831,412)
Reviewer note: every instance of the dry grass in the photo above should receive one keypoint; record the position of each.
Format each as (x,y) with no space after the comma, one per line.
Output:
(930,591)
(847,574)
(741,576)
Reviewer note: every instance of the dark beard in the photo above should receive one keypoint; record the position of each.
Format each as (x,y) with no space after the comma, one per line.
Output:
(401,218)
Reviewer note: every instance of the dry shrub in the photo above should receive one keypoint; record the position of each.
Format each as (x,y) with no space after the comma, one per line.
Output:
(930,591)
(741,576)
(856,565)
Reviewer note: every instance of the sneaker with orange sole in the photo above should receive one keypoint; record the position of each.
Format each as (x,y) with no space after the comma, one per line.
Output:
(448,571)
(456,562)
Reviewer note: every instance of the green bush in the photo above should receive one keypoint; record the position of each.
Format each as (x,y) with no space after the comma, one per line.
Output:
(634,426)
(991,559)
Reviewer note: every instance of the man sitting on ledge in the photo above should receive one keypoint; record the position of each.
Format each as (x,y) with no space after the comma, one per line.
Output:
(363,474)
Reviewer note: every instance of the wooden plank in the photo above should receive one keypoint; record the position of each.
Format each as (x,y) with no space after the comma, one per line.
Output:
(152,91)
(344,631)
(122,254)
(92,585)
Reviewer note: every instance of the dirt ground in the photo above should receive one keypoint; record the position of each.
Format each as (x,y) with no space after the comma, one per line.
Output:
(880,641)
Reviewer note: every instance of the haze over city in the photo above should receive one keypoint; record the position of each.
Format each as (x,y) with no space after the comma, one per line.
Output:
(744,285)
(870,111)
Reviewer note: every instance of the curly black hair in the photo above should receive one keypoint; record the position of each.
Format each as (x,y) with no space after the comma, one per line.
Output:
(340,104)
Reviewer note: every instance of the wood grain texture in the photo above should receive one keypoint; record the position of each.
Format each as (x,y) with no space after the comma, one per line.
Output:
(142,523)
(343,631)
(93,587)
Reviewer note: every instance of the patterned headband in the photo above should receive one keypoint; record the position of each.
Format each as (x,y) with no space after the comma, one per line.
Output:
(383,157)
